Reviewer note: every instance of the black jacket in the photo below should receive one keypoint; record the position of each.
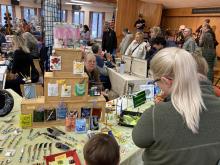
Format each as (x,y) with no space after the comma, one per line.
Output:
(109,41)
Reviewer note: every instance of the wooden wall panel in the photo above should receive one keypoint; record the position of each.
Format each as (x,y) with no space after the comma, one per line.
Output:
(173,18)
(152,13)
(127,14)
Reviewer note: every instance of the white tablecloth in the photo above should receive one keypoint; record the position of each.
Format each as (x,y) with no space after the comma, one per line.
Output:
(120,82)
(130,154)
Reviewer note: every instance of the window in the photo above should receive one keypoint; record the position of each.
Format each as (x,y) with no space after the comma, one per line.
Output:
(78,17)
(97,22)
(64,16)
(3,11)
(28,13)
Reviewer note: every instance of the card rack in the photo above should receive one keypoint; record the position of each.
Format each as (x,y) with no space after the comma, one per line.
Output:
(63,78)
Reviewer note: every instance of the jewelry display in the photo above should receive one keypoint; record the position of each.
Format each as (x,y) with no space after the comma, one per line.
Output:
(29,153)
(39,150)
(50,148)
(5,131)
(34,152)
(13,139)
(35,135)
(29,136)
(17,142)
(5,140)
(22,153)
(45,149)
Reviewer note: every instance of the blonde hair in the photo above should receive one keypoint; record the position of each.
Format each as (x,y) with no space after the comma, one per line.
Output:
(202,65)
(186,95)
(141,34)
(156,30)
(19,43)
(29,39)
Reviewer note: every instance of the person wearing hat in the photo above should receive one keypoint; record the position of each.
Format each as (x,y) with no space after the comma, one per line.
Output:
(140,23)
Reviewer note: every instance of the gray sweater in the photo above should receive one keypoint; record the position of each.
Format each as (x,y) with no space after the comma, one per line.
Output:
(168,141)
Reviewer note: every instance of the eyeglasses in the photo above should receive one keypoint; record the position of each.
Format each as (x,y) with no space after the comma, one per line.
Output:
(154,81)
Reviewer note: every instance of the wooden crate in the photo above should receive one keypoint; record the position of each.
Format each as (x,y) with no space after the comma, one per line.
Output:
(29,105)
(49,78)
(68,55)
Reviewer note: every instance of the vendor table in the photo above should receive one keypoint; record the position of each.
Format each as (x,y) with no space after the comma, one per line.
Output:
(130,154)
(120,82)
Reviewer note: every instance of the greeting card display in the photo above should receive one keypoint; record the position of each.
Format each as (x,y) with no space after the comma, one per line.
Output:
(78,67)
(80,126)
(30,91)
(66,91)
(55,62)
(80,89)
(53,89)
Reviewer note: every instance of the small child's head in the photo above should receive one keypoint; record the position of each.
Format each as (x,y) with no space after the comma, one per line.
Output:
(101,149)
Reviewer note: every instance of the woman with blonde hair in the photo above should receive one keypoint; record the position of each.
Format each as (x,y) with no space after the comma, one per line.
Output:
(137,48)
(22,67)
(31,43)
(185,129)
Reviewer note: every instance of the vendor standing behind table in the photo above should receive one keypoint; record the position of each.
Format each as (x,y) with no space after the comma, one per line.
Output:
(126,41)
(137,48)
(32,44)
(140,23)
(85,35)
(92,71)
(21,66)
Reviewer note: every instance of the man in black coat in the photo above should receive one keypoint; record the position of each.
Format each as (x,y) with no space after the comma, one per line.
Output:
(109,40)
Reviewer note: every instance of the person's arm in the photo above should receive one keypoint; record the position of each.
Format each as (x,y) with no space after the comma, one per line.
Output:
(143,132)
(128,50)
(115,40)
(15,62)
(103,41)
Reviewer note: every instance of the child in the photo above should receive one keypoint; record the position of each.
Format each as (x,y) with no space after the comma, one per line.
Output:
(101,149)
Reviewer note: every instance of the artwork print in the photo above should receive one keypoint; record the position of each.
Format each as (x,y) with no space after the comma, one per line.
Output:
(55,62)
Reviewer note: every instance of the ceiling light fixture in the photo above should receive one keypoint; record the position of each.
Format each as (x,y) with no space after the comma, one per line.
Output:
(72,3)
(82,2)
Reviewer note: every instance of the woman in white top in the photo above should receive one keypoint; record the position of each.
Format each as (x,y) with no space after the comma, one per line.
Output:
(138,47)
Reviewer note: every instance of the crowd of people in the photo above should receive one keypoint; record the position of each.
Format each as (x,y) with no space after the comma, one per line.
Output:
(181,129)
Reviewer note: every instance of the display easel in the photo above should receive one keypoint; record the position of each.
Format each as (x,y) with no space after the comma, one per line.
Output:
(64,75)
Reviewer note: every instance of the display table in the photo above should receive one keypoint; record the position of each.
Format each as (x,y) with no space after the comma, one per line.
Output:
(130,154)
(120,82)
